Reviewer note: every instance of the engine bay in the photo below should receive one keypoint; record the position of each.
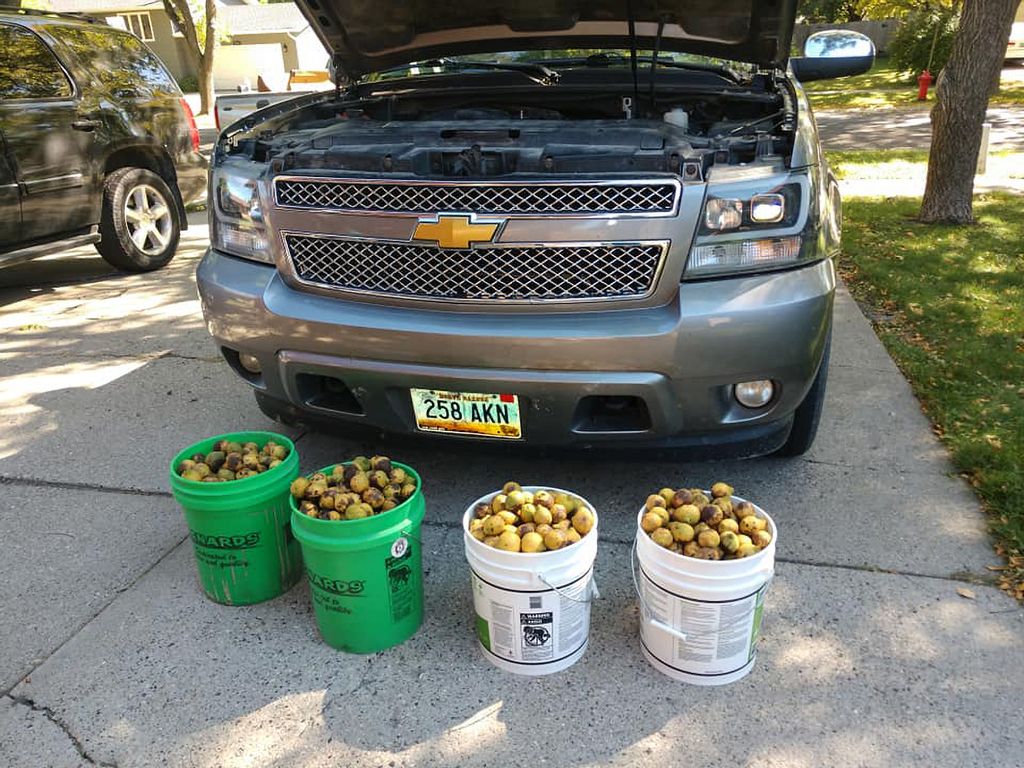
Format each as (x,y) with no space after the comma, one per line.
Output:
(474,133)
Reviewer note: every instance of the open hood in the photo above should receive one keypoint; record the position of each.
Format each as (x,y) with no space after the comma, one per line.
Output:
(372,35)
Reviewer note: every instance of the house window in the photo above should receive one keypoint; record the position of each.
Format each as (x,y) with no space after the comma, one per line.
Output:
(140,25)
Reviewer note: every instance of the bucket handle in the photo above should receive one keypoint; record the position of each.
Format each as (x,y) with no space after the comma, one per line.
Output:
(593,593)
(645,612)
(409,535)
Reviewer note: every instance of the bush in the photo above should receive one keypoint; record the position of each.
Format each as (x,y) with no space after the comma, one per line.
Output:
(912,44)
(828,11)
(189,83)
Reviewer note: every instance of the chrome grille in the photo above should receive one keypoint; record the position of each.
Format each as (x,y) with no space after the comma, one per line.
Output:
(577,271)
(655,197)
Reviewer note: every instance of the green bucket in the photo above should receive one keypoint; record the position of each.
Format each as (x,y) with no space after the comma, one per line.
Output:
(365,576)
(241,530)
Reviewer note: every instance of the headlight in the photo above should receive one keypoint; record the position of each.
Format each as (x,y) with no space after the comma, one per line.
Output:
(752,224)
(236,220)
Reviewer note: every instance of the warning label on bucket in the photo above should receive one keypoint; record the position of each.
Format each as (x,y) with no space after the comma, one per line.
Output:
(532,627)
(536,635)
(720,636)
(401,589)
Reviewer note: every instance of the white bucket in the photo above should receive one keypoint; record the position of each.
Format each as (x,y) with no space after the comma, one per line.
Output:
(532,608)
(700,619)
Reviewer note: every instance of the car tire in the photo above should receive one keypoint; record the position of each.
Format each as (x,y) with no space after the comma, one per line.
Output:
(808,413)
(139,225)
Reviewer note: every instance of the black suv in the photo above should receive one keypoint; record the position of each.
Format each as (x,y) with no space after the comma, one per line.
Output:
(97,144)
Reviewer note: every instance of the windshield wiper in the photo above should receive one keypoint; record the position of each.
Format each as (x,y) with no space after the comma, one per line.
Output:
(618,60)
(533,70)
(718,69)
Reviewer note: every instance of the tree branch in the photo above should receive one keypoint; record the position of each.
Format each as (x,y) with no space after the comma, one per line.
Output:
(211,28)
(181,14)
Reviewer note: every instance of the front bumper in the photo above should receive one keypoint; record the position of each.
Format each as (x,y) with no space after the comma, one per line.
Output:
(680,359)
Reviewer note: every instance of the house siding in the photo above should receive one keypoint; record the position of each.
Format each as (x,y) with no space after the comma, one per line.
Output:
(298,50)
(171,50)
(311,52)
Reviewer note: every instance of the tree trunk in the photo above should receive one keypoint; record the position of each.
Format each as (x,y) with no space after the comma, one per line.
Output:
(200,56)
(206,93)
(997,81)
(962,100)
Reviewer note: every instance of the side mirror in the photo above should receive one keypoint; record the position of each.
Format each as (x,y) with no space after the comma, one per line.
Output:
(833,53)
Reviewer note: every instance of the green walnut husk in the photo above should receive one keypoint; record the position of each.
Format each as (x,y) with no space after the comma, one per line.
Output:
(705,525)
(515,520)
(230,461)
(354,490)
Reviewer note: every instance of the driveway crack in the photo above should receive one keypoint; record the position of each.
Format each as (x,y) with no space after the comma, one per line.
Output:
(102,354)
(71,486)
(197,358)
(50,715)
(117,592)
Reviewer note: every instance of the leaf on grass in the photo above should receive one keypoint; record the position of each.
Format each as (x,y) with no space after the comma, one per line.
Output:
(994,441)
(965,592)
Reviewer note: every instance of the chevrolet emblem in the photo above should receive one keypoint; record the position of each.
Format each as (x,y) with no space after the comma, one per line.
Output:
(455,231)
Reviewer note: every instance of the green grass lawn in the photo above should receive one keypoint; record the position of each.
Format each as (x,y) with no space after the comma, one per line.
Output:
(951,301)
(883,86)
(881,75)
(911,163)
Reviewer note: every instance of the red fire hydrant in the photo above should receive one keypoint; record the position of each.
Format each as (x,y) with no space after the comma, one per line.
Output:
(924,81)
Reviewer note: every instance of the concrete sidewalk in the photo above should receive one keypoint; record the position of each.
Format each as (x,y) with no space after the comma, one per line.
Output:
(109,655)
(913,186)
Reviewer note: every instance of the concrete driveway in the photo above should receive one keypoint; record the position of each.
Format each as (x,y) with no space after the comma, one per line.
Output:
(109,655)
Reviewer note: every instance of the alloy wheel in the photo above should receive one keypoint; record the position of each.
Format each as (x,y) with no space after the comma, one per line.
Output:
(148,218)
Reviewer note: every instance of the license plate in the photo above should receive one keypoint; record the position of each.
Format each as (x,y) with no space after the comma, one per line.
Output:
(467,413)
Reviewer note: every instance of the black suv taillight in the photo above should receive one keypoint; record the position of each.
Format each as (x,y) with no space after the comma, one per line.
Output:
(192,128)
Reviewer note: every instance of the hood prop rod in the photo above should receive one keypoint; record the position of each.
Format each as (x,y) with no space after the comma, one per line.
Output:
(654,60)
(338,74)
(632,56)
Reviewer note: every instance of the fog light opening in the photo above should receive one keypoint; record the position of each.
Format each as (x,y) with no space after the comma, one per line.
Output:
(611,413)
(754,394)
(250,363)
(327,393)
(245,365)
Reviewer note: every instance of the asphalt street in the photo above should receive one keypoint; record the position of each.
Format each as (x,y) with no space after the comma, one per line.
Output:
(109,654)
(909,128)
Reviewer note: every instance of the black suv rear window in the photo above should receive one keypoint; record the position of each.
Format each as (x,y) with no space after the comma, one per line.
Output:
(27,68)
(119,61)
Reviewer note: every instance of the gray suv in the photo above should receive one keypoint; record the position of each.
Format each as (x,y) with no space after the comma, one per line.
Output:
(553,223)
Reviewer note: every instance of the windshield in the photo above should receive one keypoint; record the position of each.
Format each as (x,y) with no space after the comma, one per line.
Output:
(567,58)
